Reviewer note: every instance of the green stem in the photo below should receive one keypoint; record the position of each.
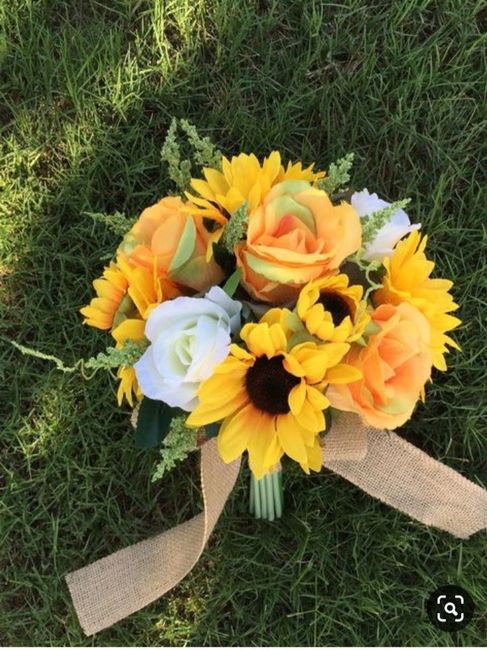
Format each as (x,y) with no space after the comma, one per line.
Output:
(266,500)
(258,510)
(263,497)
(276,478)
(270,497)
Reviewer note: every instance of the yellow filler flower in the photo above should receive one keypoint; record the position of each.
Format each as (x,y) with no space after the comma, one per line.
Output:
(332,310)
(243,178)
(407,279)
(270,399)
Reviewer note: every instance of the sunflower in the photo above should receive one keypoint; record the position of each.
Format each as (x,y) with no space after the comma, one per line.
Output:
(271,399)
(146,290)
(295,172)
(407,279)
(332,310)
(129,329)
(126,296)
(146,287)
(243,178)
(111,302)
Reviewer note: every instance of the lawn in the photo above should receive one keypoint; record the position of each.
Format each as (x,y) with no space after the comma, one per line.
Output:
(88,90)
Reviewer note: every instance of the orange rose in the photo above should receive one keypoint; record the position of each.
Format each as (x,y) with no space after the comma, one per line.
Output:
(395,364)
(294,236)
(176,241)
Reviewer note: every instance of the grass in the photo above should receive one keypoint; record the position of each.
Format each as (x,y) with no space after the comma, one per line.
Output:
(88,91)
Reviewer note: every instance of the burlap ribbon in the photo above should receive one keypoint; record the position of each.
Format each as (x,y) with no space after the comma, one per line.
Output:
(379,462)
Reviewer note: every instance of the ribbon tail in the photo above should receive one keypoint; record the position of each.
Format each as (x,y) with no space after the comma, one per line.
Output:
(409,480)
(122,583)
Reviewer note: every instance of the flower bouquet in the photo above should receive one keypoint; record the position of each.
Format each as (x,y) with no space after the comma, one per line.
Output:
(270,311)
(258,303)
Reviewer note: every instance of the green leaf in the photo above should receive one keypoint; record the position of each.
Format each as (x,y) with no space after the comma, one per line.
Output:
(185,247)
(232,283)
(211,430)
(328,420)
(153,422)
(302,336)
(371,328)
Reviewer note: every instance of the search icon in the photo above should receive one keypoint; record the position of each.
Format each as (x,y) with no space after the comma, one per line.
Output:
(450,609)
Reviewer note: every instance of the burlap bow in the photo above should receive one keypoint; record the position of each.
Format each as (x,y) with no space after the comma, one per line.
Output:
(380,462)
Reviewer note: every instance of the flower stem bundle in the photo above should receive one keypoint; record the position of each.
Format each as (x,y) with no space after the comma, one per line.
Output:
(266,495)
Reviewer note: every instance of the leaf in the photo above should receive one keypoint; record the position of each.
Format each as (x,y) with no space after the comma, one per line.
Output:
(185,247)
(232,283)
(301,337)
(328,420)
(211,430)
(153,423)
(371,328)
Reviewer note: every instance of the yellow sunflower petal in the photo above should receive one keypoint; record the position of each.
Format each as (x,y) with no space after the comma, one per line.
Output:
(407,279)
(235,432)
(240,353)
(131,328)
(292,365)
(316,398)
(208,413)
(296,397)
(290,439)
(262,444)
(216,180)
(310,418)
(264,340)
(315,457)
(222,387)
(343,373)
(128,386)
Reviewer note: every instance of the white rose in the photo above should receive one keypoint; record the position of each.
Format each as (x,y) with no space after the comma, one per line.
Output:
(386,237)
(189,337)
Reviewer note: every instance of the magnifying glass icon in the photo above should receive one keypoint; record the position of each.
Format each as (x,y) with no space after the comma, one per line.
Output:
(450,609)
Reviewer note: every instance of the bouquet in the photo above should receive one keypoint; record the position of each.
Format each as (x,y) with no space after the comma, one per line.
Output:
(260,303)
(268,310)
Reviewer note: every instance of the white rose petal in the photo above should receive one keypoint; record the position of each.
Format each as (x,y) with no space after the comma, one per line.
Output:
(232,307)
(387,237)
(189,337)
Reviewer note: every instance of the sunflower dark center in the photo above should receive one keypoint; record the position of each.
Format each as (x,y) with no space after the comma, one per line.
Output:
(336,305)
(269,384)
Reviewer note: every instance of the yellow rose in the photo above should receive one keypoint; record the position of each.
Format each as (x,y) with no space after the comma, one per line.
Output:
(176,241)
(296,235)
